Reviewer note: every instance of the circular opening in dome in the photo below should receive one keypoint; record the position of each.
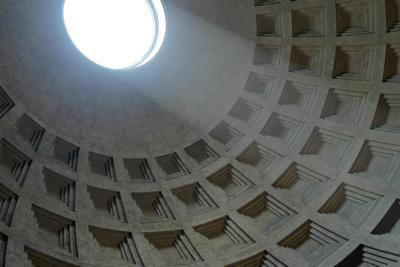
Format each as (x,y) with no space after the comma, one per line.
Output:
(116,34)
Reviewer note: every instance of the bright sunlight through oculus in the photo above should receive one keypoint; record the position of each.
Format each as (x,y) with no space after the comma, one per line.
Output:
(116,34)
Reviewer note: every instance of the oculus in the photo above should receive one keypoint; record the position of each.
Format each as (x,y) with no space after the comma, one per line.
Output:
(116,34)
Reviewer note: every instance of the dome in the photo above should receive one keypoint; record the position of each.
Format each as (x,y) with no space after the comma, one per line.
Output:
(244,133)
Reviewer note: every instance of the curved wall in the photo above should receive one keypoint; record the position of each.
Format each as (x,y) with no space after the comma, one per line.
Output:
(300,167)
(160,103)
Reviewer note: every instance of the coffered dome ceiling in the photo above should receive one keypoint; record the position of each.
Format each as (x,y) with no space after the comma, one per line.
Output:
(264,133)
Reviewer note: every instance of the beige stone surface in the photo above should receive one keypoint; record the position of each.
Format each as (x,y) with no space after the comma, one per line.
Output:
(265,133)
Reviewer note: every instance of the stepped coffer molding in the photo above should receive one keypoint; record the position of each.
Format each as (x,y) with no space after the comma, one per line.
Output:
(369,256)
(344,106)
(308,22)
(31,131)
(102,165)
(230,180)
(299,95)
(114,247)
(269,24)
(172,165)
(258,156)
(355,17)
(282,127)
(138,170)
(153,206)
(307,60)
(8,201)
(37,258)
(66,153)
(14,162)
(6,103)
(313,241)
(259,84)
(267,56)
(106,202)
(60,188)
(378,161)
(267,211)
(226,134)
(195,197)
(303,182)
(224,234)
(387,113)
(392,64)
(390,223)
(354,62)
(173,247)
(56,230)
(327,145)
(352,203)
(202,153)
(245,111)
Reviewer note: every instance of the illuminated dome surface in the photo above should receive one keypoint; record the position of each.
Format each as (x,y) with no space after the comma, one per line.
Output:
(264,133)
(116,34)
